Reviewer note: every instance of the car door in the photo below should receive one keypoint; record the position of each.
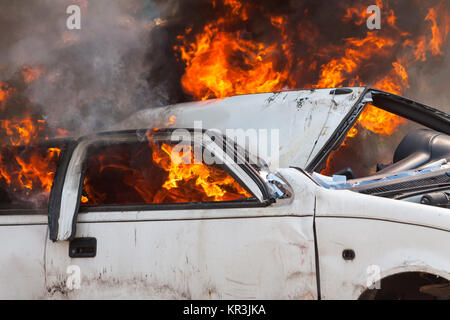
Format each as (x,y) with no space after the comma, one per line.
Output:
(180,244)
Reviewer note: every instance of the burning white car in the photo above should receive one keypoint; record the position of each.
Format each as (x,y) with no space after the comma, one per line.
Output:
(131,216)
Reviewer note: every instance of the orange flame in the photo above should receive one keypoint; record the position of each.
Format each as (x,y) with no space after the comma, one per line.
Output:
(218,65)
(26,169)
(378,121)
(22,131)
(439,32)
(215,183)
(172,120)
(37,167)
(221,63)
(29,170)
(30,75)
(356,53)
(177,182)
(5,93)
(237,8)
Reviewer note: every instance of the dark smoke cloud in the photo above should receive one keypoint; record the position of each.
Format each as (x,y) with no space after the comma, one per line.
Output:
(430,84)
(315,25)
(91,77)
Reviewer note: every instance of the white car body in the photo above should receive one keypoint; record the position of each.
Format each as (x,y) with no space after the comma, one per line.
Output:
(291,248)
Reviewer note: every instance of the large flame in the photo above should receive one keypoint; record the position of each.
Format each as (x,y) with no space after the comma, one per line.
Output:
(22,131)
(218,65)
(215,183)
(27,168)
(220,61)
(152,173)
(23,166)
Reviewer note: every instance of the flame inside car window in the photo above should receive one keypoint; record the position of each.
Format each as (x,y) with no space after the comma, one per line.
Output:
(146,173)
(26,175)
(370,144)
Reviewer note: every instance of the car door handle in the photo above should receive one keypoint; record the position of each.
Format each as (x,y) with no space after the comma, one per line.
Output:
(83,248)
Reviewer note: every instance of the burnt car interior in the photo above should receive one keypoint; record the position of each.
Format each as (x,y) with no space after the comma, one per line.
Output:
(145,173)
(404,156)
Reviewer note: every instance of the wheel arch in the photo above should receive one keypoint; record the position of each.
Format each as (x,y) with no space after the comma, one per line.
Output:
(410,283)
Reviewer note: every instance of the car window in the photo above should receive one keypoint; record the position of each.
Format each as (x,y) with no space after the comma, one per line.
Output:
(145,172)
(370,144)
(26,175)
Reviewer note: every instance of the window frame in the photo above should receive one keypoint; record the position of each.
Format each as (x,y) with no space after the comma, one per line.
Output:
(166,206)
(65,208)
(411,110)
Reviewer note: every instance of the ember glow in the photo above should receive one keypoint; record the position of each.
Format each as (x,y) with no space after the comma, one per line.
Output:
(5,93)
(30,75)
